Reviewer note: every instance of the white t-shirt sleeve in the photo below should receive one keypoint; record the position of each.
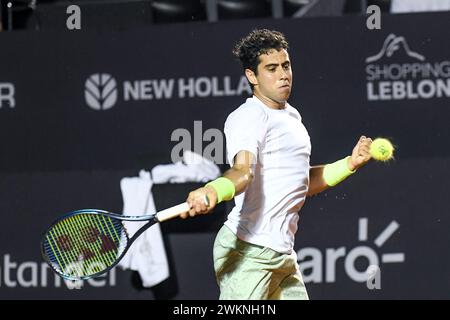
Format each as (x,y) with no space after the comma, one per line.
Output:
(245,129)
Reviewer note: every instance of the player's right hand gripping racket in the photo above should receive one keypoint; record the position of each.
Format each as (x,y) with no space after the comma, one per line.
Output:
(87,243)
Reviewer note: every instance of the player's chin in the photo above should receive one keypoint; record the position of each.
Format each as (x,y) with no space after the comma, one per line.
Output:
(283,97)
(284,93)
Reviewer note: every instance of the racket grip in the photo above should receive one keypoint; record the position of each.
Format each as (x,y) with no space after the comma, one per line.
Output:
(175,211)
(172,212)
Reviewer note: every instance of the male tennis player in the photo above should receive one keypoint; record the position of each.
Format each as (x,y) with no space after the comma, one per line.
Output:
(269,149)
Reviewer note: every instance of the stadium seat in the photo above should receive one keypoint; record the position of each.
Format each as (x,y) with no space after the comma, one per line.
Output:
(239,9)
(166,11)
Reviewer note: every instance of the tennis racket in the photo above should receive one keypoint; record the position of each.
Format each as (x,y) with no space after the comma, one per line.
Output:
(86,243)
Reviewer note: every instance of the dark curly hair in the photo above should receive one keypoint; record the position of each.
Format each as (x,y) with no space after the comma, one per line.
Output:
(258,42)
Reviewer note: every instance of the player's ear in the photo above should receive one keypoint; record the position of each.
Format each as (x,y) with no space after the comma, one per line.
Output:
(251,77)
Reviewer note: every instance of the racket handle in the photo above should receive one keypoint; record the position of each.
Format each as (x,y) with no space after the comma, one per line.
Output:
(172,212)
(175,211)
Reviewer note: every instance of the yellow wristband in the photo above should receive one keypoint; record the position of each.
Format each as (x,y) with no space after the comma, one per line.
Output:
(336,172)
(224,187)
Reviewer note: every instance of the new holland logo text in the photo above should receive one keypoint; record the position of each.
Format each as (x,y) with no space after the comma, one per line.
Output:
(102,91)
(397,72)
(200,87)
(313,262)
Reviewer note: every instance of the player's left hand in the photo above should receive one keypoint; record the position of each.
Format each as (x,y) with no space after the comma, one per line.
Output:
(361,153)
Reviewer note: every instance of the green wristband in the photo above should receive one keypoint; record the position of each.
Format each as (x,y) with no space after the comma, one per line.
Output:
(336,172)
(224,187)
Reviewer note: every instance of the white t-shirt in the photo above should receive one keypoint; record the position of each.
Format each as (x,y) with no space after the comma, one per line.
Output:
(266,214)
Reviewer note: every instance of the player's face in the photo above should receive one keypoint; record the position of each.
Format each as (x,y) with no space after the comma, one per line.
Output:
(273,82)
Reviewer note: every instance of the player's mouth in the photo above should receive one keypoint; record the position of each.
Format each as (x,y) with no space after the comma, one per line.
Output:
(285,86)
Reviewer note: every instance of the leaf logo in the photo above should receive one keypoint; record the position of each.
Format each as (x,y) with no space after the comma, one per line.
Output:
(100,91)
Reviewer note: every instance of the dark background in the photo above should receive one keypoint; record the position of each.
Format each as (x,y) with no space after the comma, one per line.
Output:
(58,155)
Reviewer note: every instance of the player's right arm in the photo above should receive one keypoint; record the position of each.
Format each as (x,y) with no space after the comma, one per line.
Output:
(241,173)
(233,182)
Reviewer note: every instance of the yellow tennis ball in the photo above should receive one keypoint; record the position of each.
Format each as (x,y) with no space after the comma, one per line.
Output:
(381,149)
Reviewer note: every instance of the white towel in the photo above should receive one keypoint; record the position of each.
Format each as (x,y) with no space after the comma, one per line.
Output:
(147,254)
(193,168)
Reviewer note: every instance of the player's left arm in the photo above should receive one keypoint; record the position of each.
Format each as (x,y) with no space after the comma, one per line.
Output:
(322,177)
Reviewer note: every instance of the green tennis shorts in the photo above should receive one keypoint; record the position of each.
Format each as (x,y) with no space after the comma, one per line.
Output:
(245,271)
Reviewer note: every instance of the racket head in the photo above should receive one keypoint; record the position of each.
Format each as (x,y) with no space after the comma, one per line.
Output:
(85,244)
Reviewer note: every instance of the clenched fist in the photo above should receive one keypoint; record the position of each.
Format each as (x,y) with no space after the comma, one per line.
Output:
(361,153)
(201,201)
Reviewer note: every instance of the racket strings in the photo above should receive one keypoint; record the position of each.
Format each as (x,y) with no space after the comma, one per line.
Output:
(63,243)
(108,258)
(84,244)
(91,248)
